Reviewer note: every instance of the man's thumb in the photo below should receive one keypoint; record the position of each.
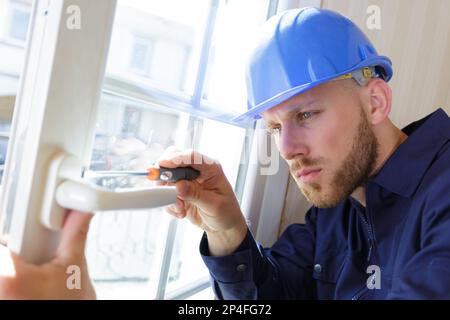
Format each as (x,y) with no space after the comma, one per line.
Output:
(73,241)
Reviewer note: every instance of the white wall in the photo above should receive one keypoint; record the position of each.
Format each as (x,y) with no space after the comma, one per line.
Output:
(415,34)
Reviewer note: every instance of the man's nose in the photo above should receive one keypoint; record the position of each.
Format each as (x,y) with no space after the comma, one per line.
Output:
(291,143)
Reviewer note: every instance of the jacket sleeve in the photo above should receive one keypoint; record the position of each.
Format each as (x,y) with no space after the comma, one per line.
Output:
(427,273)
(253,272)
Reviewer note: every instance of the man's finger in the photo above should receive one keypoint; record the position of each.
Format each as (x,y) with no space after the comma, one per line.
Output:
(73,241)
(175,213)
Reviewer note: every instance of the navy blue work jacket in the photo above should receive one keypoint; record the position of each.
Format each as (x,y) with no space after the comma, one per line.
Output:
(397,247)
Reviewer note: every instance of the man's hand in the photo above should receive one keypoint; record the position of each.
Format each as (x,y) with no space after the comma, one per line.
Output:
(208,202)
(19,280)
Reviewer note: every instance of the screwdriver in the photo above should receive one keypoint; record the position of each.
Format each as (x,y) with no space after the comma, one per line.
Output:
(154,174)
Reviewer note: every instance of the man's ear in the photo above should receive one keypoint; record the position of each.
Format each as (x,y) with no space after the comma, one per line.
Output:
(379,100)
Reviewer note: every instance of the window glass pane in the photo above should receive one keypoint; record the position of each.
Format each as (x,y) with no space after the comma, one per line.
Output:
(11,64)
(224,143)
(125,248)
(19,24)
(157,43)
(13,22)
(4,138)
(124,252)
(157,47)
(130,136)
(237,24)
(186,264)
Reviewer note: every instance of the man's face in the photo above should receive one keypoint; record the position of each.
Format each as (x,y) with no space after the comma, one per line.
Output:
(326,139)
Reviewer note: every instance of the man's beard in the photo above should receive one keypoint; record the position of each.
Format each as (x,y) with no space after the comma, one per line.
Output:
(354,172)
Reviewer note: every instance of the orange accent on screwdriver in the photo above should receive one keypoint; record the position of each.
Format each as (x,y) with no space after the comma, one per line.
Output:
(153,173)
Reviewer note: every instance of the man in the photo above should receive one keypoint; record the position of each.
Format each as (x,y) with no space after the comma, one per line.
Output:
(379,227)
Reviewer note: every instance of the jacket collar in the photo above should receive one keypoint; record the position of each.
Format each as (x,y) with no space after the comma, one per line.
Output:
(404,170)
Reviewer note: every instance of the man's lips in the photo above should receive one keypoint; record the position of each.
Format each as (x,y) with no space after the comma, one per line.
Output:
(308,175)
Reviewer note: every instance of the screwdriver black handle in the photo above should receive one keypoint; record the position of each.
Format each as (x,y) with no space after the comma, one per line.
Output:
(180,173)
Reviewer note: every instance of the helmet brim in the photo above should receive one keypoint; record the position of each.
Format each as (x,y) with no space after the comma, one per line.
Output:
(254,112)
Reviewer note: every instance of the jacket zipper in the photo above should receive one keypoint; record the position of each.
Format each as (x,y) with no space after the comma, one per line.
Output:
(361,292)
(370,233)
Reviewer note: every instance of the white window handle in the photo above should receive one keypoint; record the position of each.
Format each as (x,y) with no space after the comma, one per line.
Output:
(66,190)
(88,198)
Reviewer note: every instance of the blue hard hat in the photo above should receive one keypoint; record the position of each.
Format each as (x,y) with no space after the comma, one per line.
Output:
(301,48)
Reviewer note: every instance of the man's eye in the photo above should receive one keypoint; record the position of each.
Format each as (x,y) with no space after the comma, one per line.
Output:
(305,115)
